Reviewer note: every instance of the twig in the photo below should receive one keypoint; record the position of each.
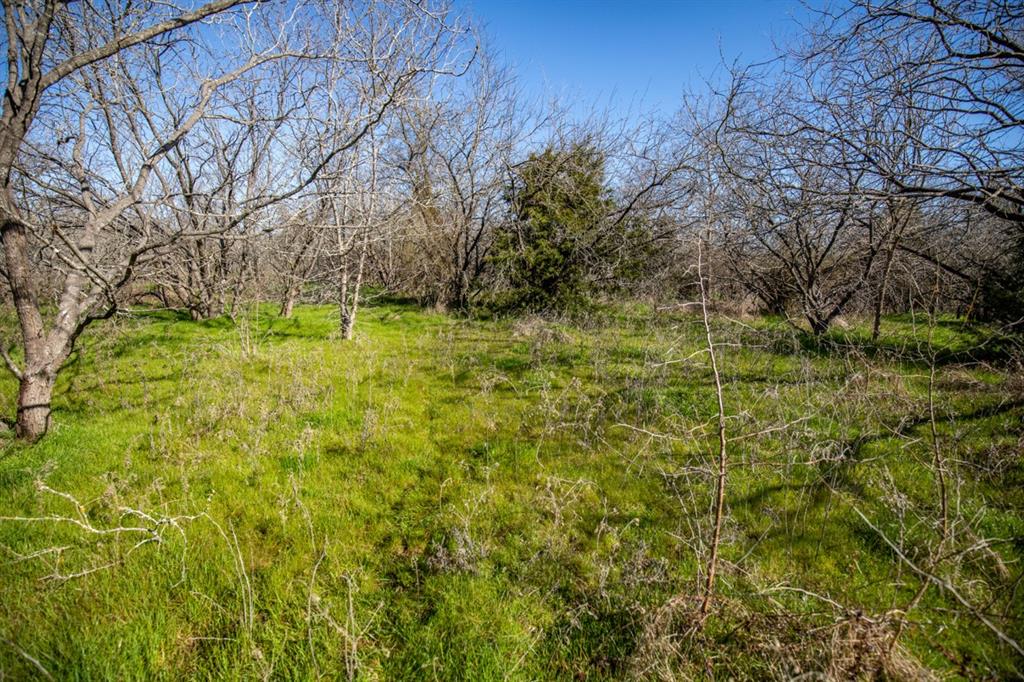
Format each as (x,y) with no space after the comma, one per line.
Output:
(944,585)
(716,538)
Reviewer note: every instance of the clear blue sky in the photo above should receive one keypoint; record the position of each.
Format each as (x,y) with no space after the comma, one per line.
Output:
(625,53)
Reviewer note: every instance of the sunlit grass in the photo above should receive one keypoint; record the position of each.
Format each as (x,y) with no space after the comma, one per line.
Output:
(481,499)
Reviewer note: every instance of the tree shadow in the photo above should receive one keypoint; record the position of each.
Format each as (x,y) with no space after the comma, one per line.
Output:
(836,475)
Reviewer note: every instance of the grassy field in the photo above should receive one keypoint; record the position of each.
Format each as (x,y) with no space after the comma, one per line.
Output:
(454,499)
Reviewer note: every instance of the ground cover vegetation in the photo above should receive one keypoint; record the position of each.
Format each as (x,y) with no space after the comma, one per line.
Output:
(454,498)
(331,355)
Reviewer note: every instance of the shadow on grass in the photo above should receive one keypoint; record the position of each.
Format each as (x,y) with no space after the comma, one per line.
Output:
(837,475)
(980,346)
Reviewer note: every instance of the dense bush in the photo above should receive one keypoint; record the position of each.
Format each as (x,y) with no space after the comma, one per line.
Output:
(566,239)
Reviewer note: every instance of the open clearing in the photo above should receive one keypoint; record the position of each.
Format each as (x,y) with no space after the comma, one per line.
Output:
(451,498)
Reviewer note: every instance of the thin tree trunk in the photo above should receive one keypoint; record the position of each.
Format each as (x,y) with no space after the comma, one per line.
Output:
(876,324)
(350,302)
(884,284)
(348,320)
(345,321)
(288,303)
(718,511)
(818,325)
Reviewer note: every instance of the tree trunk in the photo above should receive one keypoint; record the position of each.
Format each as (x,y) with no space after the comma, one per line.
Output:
(345,319)
(458,292)
(349,300)
(288,304)
(348,323)
(350,306)
(34,395)
(876,324)
(35,381)
(818,325)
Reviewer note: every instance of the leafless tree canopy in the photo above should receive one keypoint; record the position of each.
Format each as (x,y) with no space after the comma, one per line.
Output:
(143,143)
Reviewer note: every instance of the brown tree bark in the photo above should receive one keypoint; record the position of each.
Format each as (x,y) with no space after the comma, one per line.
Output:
(46,349)
(288,304)
(34,395)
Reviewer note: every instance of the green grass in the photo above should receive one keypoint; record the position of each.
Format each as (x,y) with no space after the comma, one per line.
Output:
(454,499)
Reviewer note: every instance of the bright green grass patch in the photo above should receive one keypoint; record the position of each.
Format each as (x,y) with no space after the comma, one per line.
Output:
(453,499)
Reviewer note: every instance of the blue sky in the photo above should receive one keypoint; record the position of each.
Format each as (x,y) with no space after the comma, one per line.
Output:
(630,55)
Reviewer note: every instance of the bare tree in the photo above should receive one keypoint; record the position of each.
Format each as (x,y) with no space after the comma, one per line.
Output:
(52,49)
(454,149)
(355,219)
(295,253)
(958,65)
(109,199)
(805,229)
(721,475)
